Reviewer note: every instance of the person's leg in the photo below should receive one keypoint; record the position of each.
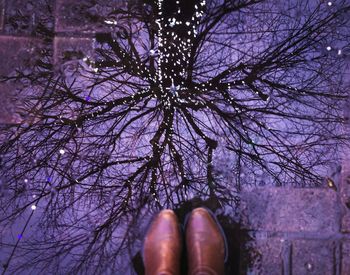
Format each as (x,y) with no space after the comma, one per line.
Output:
(162,245)
(205,244)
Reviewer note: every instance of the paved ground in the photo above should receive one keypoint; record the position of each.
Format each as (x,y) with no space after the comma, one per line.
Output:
(297,231)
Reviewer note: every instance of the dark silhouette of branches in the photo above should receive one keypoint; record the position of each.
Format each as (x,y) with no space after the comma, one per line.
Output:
(181,99)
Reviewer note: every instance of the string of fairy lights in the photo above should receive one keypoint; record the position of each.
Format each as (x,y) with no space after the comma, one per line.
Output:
(176,52)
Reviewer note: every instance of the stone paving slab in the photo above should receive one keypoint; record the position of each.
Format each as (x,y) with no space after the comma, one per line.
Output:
(271,252)
(69,51)
(29,17)
(18,52)
(7,106)
(345,225)
(85,16)
(313,257)
(291,209)
(345,258)
(2,13)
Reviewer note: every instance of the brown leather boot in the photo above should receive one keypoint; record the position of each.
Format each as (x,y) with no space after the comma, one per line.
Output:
(162,245)
(205,244)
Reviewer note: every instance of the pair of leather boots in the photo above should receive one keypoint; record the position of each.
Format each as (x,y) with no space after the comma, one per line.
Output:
(204,242)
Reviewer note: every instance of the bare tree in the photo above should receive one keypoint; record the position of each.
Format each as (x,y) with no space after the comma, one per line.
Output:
(181,99)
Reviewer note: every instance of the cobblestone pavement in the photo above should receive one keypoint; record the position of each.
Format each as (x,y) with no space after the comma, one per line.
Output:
(297,231)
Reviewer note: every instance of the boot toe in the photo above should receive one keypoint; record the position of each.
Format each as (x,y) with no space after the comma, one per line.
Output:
(162,245)
(205,243)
